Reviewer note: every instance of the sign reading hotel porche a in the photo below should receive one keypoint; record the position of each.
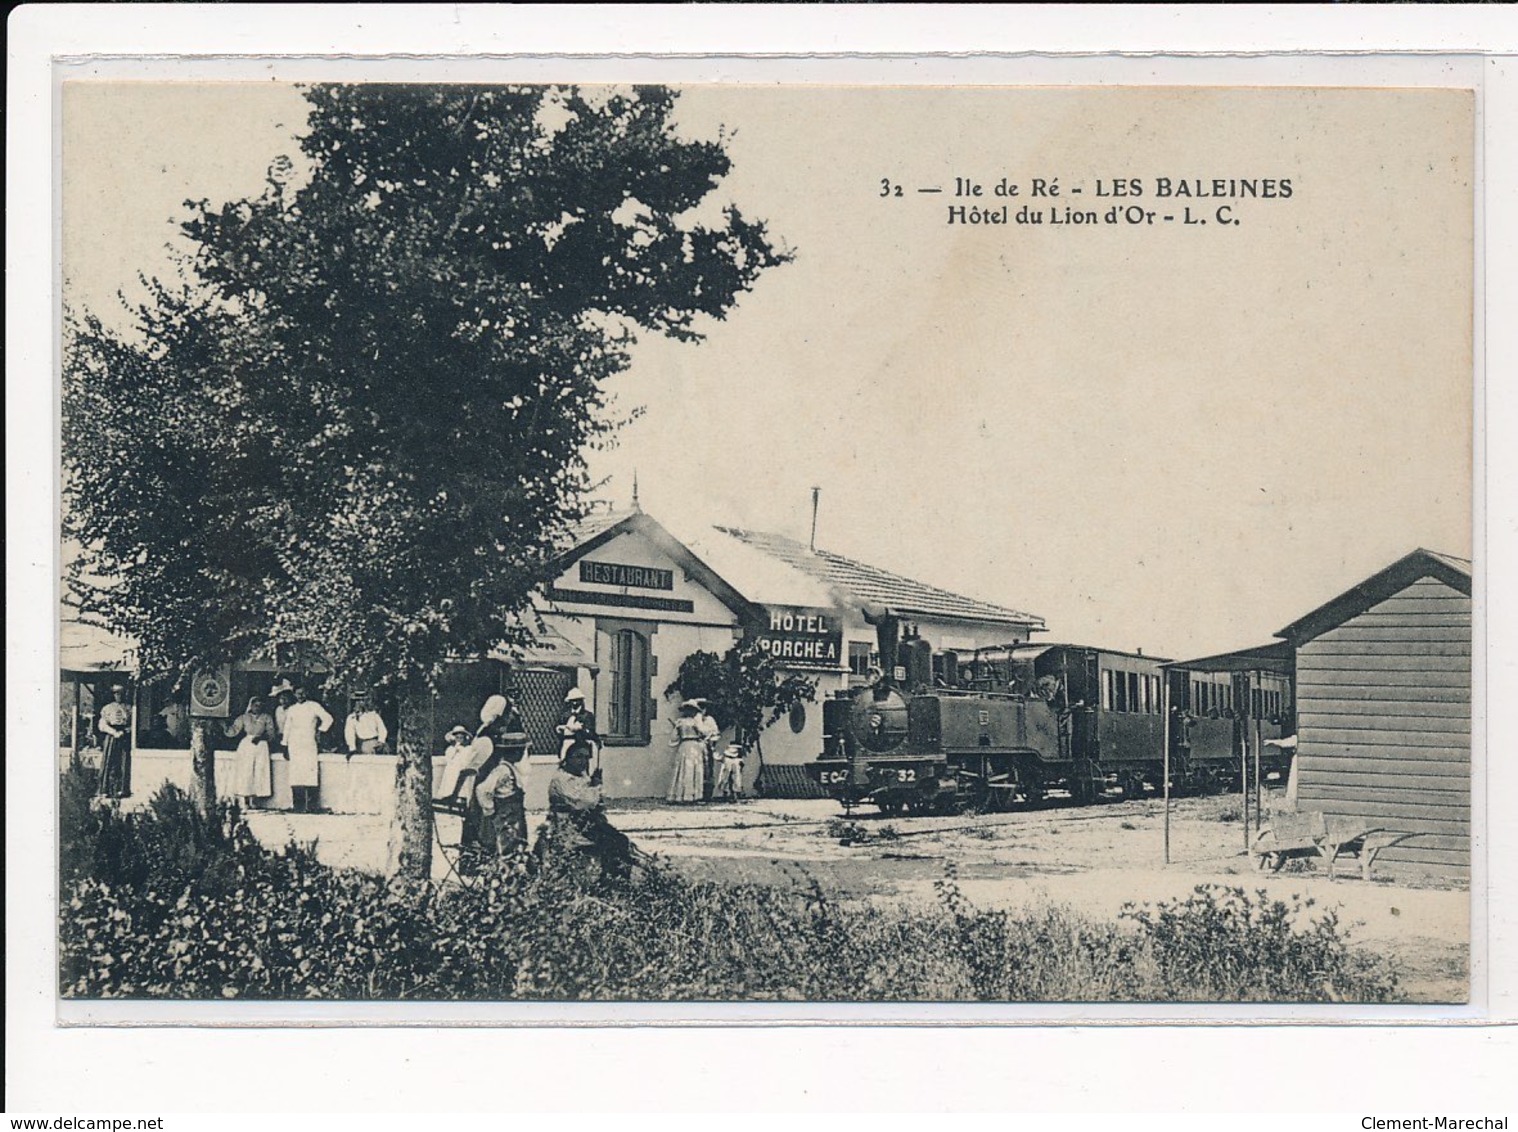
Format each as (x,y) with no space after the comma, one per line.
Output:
(623,574)
(800,637)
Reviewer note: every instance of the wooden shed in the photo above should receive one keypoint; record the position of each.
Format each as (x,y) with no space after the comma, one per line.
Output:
(1384,708)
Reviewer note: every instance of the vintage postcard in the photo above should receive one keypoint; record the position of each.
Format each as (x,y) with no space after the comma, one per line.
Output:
(534,550)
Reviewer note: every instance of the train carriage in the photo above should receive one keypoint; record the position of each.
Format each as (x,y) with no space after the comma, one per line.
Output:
(981,729)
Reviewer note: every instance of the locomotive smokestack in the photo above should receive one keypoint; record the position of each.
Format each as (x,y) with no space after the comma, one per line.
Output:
(888,636)
(816,491)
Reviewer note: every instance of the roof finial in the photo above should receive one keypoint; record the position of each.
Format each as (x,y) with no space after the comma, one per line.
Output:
(636,505)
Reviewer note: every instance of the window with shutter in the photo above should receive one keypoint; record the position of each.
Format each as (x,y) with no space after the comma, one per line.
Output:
(630,687)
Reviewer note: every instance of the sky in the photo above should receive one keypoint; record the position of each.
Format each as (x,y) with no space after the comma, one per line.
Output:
(1168,436)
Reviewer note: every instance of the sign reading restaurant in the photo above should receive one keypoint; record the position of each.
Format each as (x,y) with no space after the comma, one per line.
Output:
(800,637)
(622,574)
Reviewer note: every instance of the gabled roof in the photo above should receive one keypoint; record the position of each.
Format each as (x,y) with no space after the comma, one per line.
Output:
(1453,572)
(598,530)
(590,528)
(861,584)
(1278,656)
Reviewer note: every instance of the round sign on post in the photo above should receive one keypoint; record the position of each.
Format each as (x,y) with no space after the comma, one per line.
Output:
(211,692)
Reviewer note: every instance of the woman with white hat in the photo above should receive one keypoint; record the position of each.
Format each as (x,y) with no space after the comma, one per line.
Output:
(689,741)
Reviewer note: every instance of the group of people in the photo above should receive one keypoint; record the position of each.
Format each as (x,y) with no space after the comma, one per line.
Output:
(698,761)
(291,728)
(484,778)
(287,723)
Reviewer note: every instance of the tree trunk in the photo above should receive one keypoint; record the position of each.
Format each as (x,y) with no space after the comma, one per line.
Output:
(203,764)
(413,784)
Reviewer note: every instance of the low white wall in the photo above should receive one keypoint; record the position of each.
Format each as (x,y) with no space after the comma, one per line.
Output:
(362,784)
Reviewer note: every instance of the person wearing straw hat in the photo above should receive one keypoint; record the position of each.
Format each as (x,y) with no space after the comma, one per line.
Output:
(458,755)
(281,696)
(729,784)
(577,725)
(689,741)
(501,796)
(114,725)
(364,730)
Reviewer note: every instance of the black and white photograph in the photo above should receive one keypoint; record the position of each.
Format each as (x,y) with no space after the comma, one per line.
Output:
(796,558)
(678,543)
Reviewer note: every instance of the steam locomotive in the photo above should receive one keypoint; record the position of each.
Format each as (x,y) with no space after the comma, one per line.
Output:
(941,733)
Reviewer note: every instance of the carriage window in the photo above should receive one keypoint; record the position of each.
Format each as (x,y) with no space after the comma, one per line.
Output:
(1132,680)
(1107,690)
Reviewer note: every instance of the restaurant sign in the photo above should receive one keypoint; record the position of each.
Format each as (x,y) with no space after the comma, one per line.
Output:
(800,637)
(622,574)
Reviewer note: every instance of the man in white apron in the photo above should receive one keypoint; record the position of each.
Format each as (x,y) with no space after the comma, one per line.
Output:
(304,718)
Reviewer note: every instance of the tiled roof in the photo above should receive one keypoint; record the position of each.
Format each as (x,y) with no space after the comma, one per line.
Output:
(593,525)
(871,584)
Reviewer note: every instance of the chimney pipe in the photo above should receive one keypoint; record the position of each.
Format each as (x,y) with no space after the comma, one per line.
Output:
(816,491)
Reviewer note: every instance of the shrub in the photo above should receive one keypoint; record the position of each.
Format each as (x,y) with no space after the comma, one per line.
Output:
(1221,944)
(195,908)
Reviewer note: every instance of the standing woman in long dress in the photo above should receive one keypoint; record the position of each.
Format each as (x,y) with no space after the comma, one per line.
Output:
(251,774)
(689,783)
(114,725)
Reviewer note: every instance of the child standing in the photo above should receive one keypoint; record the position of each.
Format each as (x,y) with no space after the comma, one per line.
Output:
(729,784)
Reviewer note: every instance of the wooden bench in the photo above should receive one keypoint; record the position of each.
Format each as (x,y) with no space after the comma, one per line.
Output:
(1311,835)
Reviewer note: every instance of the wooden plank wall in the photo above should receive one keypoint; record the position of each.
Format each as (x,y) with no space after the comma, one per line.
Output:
(1384,723)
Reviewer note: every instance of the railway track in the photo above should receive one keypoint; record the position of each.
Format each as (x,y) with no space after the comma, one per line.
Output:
(1024,819)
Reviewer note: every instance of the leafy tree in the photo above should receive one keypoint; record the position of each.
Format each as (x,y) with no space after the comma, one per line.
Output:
(744,690)
(361,416)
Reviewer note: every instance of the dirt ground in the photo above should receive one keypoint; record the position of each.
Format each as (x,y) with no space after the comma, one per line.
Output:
(1092,859)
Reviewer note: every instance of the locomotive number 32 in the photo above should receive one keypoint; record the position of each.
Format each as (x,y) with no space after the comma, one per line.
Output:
(906,774)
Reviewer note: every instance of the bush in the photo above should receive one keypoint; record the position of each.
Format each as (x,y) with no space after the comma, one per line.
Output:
(171,843)
(195,908)
(1220,944)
